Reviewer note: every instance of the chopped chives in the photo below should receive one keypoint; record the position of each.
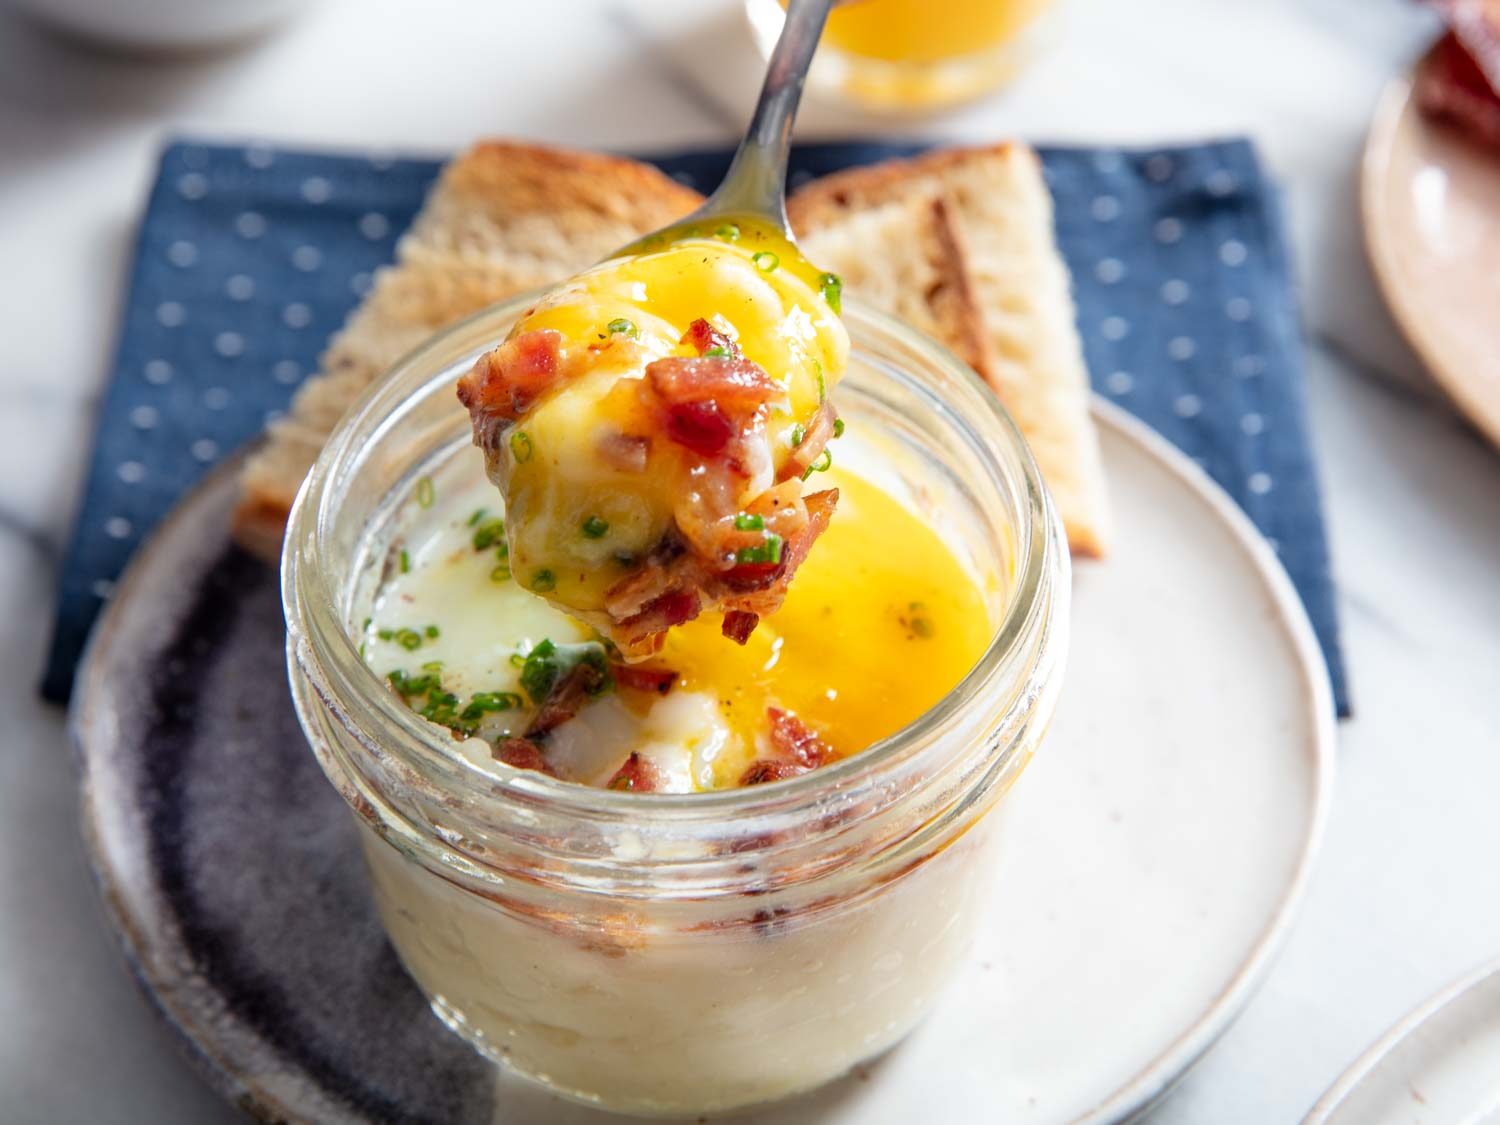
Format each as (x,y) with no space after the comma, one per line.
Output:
(728,232)
(520,446)
(543,581)
(405,561)
(799,431)
(594,528)
(822,382)
(768,552)
(499,574)
(477,516)
(745,521)
(487,534)
(718,351)
(425,492)
(832,287)
(838,427)
(765,261)
(623,327)
(431,631)
(409,639)
(821,465)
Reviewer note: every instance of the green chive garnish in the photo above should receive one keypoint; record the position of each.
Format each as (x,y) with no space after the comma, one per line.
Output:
(409,639)
(838,427)
(623,327)
(822,383)
(765,261)
(425,492)
(500,574)
(432,631)
(477,516)
(487,534)
(594,528)
(718,351)
(767,552)
(833,291)
(747,522)
(728,232)
(799,431)
(543,581)
(405,561)
(520,446)
(385,634)
(821,465)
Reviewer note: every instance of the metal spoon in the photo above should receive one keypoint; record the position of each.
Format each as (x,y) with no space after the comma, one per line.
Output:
(752,197)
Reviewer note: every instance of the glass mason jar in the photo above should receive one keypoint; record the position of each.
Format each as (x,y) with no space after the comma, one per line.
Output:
(667,952)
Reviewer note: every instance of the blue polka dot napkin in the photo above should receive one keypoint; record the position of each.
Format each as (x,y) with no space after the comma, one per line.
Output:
(249,257)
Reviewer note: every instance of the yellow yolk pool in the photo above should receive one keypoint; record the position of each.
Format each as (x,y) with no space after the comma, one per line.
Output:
(882,621)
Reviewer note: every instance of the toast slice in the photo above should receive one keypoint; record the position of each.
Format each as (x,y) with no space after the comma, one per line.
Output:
(906,258)
(991,209)
(503,218)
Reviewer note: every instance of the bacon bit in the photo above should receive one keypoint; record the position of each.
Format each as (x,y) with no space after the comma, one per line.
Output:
(636,678)
(792,739)
(737,386)
(523,754)
(738,625)
(703,336)
(505,382)
(637,775)
(625,452)
(699,426)
(1452,84)
(565,698)
(813,441)
(769,769)
(644,632)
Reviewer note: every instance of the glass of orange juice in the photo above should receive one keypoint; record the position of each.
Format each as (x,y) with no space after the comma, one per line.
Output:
(917,54)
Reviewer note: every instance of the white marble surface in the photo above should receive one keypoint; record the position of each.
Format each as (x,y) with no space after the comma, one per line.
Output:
(1404,898)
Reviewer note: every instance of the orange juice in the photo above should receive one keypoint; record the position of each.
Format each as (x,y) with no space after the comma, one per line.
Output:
(916,54)
(922,31)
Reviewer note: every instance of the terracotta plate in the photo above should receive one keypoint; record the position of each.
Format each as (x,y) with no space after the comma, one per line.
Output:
(1431,205)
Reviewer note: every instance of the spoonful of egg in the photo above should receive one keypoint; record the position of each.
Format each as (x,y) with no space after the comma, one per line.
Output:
(652,422)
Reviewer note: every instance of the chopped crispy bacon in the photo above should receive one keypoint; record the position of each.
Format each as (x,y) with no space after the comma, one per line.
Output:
(637,775)
(505,383)
(699,426)
(736,386)
(794,750)
(1451,84)
(810,448)
(763,586)
(763,770)
(566,697)
(642,633)
(635,678)
(625,452)
(792,739)
(738,625)
(703,336)
(523,754)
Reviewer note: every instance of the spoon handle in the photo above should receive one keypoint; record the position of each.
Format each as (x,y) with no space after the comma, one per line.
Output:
(756,181)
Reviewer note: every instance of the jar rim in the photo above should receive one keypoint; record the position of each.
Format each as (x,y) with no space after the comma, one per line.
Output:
(308,582)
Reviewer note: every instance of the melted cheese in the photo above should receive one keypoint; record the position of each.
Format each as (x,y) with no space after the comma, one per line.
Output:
(882,621)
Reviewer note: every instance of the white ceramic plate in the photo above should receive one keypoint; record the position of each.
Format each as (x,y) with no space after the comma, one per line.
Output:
(1439,1064)
(1157,847)
(1431,206)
